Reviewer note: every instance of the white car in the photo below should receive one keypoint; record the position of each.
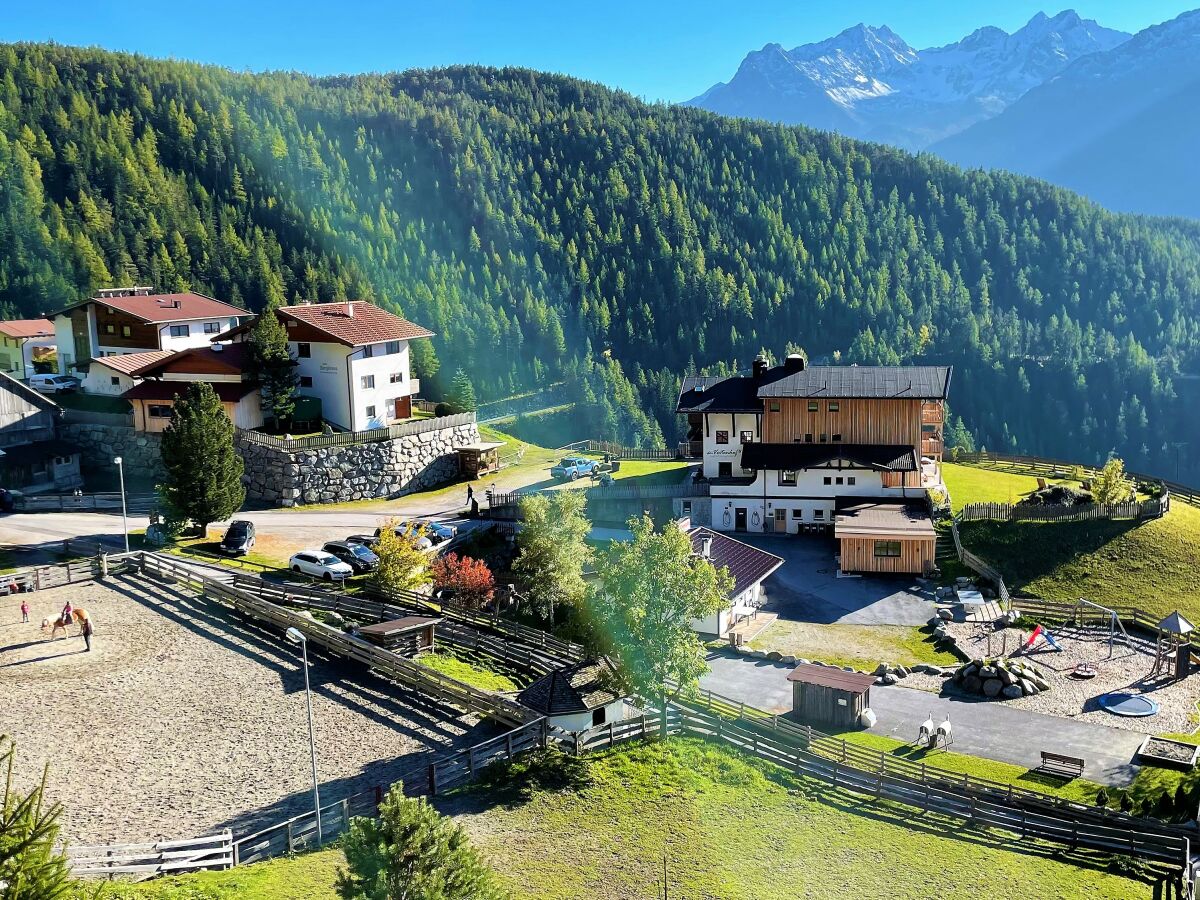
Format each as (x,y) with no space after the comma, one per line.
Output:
(54,384)
(320,564)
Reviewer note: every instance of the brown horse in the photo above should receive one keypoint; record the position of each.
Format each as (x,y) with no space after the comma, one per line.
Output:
(78,615)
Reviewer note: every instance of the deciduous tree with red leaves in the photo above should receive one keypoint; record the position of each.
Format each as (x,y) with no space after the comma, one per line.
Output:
(469,581)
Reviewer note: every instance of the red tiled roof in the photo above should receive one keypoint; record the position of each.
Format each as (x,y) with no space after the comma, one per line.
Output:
(128,363)
(747,565)
(156,308)
(228,391)
(367,325)
(27,328)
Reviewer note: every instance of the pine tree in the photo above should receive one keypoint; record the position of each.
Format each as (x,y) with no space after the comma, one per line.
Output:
(30,867)
(412,852)
(271,365)
(204,471)
(462,392)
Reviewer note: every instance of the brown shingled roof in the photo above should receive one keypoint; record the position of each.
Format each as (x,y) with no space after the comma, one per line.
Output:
(831,677)
(128,363)
(155,308)
(582,687)
(747,565)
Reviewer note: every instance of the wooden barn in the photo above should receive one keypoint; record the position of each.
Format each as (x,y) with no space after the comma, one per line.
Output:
(407,636)
(830,697)
(878,536)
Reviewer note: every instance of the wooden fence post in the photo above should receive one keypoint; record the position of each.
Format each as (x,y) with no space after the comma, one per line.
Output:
(432,780)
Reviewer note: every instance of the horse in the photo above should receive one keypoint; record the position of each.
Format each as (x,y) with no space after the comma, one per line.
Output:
(79,615)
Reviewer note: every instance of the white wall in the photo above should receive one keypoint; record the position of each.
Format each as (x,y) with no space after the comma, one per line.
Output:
(64,340)
(99,381)
(196,335)
(327,367)
(613,712)
(714,453)
(337,372)
(384,394)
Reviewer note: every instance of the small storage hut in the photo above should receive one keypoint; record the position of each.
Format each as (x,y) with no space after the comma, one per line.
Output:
(828,696)
(577,697)
(407,636)
(478,459)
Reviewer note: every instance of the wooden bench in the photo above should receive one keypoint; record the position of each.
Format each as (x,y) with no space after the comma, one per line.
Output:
(1058,764)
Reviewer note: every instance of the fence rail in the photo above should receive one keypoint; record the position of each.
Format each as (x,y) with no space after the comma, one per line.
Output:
(300,832)
(135,503)
(349,438)
(619,451)
(1015,512)
(147,860)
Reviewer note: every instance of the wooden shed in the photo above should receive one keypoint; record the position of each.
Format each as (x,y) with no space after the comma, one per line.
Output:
(407,636)
(478,459)
(828,696)
(878,536)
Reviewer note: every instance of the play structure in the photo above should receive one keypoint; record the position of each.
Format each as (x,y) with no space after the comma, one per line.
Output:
(1173,651)
(1044,634)
(1080,616)
(1128,705)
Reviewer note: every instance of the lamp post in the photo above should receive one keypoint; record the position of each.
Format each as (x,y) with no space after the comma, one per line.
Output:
(296,636)
(124,514)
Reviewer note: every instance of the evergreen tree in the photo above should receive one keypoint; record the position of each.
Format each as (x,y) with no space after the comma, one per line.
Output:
(30,866)
(271,365)
(204,471)
(462,392)
(412,852)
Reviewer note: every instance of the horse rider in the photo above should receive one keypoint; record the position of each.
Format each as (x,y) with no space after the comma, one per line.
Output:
(67,613)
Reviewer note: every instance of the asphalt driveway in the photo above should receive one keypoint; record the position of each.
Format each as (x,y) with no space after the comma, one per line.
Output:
(806,587)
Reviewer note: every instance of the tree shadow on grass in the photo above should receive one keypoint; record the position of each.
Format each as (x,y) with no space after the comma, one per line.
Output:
(512,784)
(1027,551)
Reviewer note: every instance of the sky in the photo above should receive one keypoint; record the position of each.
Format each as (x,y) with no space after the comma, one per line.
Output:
(657,50)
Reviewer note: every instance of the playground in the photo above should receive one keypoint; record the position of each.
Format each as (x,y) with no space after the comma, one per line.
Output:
(1083,662)
(185,718)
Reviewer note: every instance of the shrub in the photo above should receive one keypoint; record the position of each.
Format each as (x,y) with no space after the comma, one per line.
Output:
(469,581)
(445,409)
(1102,797)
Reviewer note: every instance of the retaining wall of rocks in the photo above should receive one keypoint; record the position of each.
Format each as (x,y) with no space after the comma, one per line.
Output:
(141,452)
(372,470)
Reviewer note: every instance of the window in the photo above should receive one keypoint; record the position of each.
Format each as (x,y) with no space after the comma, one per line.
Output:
(890,549)
(127,331)
(839,480)
(62,460)
(115,381)
(391,347)
(834,406)
(837,436)
(828,479)
(179,330)
(787,476)
(367,382)
(722,437)
(370,412)
(725,470)
(158,411)
(212,327)
(110,328)
(396,378)
(368,351)
(305,381)
(687,507)
(747,437)
(818,514)
(808,438)
(797,514)
(773,406)
(813,406)
(824,437)
(850,479)
(597,717)
(304,351)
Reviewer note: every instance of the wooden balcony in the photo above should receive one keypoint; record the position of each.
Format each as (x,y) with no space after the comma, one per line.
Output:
(932,414)
(932,445)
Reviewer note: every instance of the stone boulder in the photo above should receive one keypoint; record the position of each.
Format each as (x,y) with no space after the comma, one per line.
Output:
(1012,692)
(992,687)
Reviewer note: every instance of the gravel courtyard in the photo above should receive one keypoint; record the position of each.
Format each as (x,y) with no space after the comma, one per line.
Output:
(184,719)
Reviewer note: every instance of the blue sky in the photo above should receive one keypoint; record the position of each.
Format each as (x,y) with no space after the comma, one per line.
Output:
(659,50)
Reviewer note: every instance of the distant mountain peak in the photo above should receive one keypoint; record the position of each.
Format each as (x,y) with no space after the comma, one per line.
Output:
(867,81)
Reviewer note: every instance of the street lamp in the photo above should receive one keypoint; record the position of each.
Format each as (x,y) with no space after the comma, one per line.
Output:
(296,636)
(124,514)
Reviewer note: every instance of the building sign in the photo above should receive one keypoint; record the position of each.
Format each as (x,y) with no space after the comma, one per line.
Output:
(327,369)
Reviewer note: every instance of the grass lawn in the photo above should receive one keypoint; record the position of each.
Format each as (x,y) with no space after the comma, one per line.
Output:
(310,875)
(860,646)
(648,471)
(975,484)
(732,827)
(468,673)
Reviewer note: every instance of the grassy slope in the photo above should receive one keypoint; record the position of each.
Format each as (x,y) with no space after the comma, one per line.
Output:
(1150,565)
(466,672)
(860,646)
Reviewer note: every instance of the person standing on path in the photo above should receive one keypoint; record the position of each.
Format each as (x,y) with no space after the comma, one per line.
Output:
(87,635)
(470,494)
(24,610)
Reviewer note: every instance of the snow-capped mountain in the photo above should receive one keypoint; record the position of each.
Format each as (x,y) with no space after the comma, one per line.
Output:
(1119,126)
(869,83)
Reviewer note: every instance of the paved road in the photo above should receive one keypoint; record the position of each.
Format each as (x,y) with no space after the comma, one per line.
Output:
(981,728)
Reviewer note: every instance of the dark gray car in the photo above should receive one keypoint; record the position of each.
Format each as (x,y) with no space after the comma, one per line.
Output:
(360,557)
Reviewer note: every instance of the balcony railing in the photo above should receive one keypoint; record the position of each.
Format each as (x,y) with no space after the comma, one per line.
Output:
(932,415)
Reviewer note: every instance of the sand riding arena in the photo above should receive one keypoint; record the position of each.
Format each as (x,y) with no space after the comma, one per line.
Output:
(187,717)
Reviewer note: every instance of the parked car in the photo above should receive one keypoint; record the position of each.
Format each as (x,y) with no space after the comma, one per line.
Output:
(424,542)
(438,532)
(239,538)
(570,468)
(320,564)
(370,541)
(54,384)
(359,557)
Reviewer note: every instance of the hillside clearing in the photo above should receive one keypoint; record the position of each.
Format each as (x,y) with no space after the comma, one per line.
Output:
(860,646)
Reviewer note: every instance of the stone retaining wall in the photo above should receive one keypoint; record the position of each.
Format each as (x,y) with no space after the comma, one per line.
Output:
(373,470)
(140,451)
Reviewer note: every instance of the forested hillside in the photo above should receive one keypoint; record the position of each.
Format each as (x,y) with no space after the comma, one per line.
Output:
(547,228)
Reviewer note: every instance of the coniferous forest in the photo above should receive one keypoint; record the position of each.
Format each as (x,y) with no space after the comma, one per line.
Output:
(553,230)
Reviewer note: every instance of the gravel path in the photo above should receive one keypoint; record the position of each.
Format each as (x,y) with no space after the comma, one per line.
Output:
(1077,698)
(183,720)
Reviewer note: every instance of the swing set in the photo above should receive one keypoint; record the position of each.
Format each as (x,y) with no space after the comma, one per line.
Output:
(1080,614)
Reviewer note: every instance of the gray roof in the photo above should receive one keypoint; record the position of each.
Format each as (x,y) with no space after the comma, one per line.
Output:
(1176,624)
(709,393)
(582,687)
(875,382)
(793,456)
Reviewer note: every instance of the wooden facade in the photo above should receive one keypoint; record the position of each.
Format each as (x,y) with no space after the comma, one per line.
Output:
(827,696)
(916,555)
(115,328)
(851,421)
(155,415)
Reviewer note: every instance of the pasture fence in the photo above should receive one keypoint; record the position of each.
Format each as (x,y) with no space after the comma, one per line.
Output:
(148,860)
(300,832)
(620,451)
(136,504)
(350,438)
(1153,508)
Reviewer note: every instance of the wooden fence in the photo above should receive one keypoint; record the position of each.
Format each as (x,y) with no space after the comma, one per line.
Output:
(978,565)
(1015,512)
(136,504)
(42,578)
(300,832)
(619,451)
(147,860)
(349,438)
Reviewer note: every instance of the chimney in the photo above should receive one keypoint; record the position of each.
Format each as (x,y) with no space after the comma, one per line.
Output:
(794,363)
(350,309)
(706,546)
(760,366)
